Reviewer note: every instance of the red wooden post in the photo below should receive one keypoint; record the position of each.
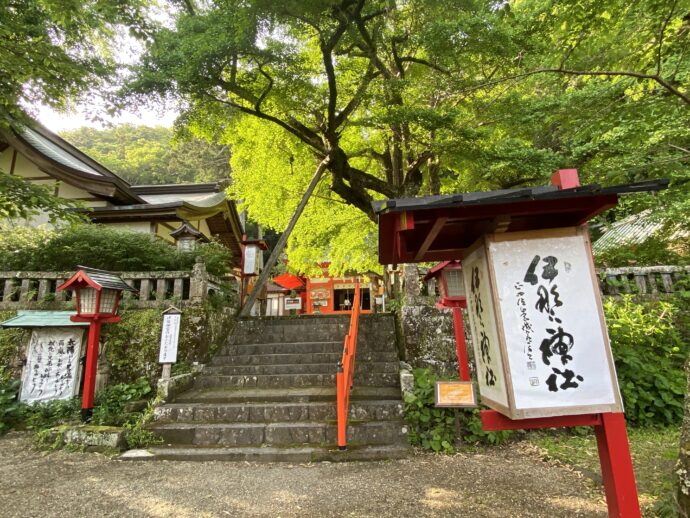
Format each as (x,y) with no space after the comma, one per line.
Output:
(616,466)
(90,369)
(461,345)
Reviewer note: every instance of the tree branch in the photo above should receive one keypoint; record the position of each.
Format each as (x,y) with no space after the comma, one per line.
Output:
(307,139)
(664,24)
(608,73)
(412,59)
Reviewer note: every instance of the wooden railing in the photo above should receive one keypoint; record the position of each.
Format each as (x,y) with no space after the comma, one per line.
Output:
(346,372)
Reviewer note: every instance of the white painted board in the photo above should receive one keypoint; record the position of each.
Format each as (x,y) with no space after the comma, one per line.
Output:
(250,259)
(487,351)
(170,335)
(557,352)
(52,368)
(293,303)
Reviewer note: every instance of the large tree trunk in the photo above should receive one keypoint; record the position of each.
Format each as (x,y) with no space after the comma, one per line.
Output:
(683,467)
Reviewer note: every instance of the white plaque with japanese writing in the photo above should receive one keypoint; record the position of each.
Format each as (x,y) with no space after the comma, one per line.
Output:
(52,367)
(169,338)
(485,338)
(558,350)
(250,259)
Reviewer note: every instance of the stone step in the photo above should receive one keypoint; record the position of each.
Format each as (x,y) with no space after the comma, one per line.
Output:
(306,347)
(280,433)
(302,454)
(286,358)
(302,333)
(290,394)
(274,411)
(292,380)
(298,368)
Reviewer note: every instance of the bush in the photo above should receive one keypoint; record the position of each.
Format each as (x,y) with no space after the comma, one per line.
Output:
(9,406)
(649,353)
(435,428)
(100,246)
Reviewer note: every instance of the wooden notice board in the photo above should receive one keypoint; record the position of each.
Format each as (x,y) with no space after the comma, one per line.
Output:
(458,394)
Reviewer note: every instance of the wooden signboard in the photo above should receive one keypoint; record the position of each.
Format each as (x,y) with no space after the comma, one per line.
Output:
(457,394)
(537,323)
(170,334)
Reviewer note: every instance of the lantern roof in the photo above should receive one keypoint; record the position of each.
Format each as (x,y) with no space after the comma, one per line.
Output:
(436,270)
(442,227)
(97,279)
(187,230)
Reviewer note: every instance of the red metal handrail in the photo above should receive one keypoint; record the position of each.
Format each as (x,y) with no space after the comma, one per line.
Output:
(346,371)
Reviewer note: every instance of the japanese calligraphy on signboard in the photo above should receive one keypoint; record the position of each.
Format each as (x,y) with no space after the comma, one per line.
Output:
(169,337)
(539,291)
(52,368)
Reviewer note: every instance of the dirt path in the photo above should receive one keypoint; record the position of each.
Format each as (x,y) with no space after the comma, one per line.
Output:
(498,482)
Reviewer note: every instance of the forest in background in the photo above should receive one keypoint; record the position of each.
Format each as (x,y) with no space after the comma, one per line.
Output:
(145,155)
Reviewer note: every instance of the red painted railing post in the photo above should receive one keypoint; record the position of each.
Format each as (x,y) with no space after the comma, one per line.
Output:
(345,372)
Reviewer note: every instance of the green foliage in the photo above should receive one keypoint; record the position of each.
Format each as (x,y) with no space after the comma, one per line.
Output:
(653,251)
(103,247)
(152,155)
(649,353)
(431,428)
(28,199)
(12,342)
(473,432)
(110,403)
(9,405)
(435,428)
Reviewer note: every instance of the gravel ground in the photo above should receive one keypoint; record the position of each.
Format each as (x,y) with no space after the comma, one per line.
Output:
(498,482)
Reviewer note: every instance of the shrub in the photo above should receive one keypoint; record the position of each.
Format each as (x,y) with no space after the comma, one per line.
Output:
(435,428)
(9,405)
(649,353)
(104,247)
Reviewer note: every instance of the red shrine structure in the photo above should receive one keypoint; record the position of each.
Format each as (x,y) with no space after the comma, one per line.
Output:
(455,227)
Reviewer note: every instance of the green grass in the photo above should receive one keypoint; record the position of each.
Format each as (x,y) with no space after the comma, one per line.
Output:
(654,452)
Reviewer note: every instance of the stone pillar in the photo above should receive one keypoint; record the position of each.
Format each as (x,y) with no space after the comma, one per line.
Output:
(198,285)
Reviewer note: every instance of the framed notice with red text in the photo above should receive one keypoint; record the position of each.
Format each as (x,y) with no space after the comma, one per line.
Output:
(536,318)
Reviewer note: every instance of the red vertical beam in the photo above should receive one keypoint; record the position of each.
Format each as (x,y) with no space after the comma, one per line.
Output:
(90,370)
(461,345)
(616,466)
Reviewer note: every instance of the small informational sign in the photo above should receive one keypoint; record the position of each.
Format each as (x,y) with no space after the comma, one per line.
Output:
(251,263)
(52,368)
(458,394)
(293,303)
(170,335)
(538,324)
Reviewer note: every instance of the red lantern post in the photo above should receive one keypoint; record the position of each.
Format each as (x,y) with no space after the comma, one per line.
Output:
(98,295)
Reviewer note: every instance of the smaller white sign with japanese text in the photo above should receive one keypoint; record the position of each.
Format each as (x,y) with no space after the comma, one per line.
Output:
(169,337)
(293,303)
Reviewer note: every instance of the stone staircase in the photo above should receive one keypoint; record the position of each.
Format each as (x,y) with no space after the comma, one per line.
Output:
(269,395)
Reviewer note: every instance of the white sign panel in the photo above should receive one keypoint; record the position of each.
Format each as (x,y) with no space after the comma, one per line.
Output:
(557,350)
(169,337)
(487,351)
(293,303)
(52,368)
(250,259)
